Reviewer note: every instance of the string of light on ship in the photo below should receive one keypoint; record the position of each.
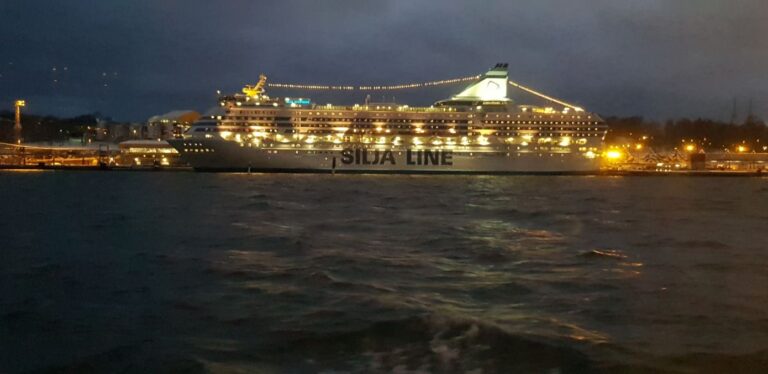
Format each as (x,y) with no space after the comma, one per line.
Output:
(415,85)
(372,88)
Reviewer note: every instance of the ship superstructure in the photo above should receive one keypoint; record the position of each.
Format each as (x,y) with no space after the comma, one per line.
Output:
(479,130)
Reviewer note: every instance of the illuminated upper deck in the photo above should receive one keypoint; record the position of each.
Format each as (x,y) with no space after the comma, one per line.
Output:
(486,93)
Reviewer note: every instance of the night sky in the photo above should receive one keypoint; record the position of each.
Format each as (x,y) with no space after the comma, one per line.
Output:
(134,58)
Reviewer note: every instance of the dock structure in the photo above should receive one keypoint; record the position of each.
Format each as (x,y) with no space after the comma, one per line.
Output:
(134,154)
(29,155)
(741,161)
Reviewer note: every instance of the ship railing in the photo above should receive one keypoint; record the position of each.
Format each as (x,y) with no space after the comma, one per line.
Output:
(385,108)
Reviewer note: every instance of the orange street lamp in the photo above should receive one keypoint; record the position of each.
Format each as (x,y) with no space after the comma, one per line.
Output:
(614,155)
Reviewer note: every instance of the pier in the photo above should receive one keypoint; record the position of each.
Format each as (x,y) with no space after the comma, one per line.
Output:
(131,155)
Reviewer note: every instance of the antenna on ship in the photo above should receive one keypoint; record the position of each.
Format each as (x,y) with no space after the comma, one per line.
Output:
(258,89)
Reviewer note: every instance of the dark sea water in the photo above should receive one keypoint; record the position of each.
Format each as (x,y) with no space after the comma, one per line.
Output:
(237,273)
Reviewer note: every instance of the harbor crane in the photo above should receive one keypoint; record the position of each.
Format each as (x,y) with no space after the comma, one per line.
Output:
(17,125)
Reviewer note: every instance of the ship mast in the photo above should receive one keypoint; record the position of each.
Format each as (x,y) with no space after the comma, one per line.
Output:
(256,90)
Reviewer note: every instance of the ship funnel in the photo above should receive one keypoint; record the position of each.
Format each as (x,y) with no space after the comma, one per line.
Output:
(492,86)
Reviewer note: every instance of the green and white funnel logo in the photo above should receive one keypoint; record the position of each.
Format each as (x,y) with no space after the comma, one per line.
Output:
(492,86)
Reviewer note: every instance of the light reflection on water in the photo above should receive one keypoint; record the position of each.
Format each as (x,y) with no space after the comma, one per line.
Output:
(380,273)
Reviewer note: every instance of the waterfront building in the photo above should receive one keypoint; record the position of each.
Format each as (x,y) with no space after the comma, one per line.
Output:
(170,125)
(147,152)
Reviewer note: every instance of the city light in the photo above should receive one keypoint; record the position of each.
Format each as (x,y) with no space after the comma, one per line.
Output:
(614,154)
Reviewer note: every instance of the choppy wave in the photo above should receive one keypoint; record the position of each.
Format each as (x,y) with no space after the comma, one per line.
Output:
(604,253)
(434,344)
(189,272)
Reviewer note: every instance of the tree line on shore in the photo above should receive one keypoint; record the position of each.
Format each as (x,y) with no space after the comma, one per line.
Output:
(752,134)
(47,128)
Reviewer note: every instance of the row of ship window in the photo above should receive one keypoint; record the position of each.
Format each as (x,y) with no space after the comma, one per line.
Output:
(443,133)
(371,126)
(568,123)
(273,112)
(194,147)
(387,119)
(378,115)
(538,134)
(532,128)
(460,130)
(398,148)
(408,132)
(399,132)
(303,119)
(388,125)
(500,134)
(429,127)
(460,133)
(551,152)
(257,112)
(353,125)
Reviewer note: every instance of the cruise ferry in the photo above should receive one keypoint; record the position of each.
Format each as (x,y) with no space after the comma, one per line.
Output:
(479,130)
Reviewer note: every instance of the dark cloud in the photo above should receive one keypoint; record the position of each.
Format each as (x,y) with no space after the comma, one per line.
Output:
(131,59)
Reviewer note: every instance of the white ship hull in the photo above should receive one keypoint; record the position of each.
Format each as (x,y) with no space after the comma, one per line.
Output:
(222,155)
(480,130)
